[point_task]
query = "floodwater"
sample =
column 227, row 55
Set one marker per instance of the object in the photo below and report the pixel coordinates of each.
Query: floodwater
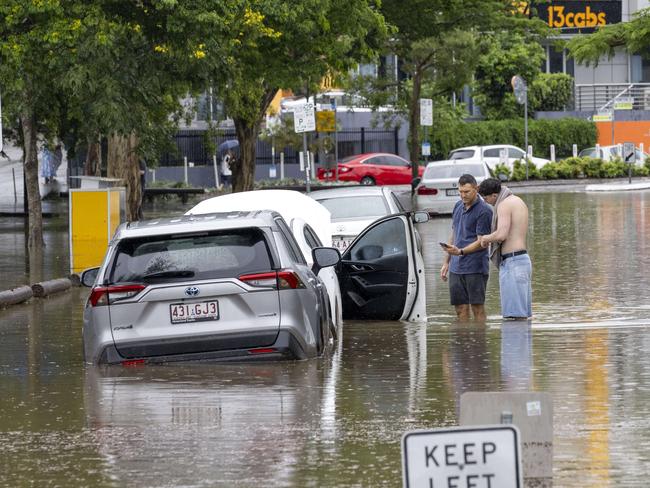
column 338, row 421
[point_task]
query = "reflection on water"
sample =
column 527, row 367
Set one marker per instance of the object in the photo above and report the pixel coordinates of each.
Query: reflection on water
column 338, row 421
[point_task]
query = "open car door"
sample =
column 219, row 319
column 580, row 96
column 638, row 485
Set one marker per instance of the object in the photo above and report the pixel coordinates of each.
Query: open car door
column 382, row 272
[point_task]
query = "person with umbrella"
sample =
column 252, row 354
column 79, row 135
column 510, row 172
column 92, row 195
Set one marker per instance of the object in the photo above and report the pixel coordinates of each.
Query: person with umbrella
column 228, row 152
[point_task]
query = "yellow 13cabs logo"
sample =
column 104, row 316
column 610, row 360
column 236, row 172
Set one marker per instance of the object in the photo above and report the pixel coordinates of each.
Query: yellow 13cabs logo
column 557, row 18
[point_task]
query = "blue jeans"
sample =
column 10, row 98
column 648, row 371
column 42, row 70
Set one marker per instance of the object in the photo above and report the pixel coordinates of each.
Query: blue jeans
column 515, row 285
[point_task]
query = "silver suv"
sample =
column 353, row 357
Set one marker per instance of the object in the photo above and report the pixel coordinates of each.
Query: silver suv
column 218, row 286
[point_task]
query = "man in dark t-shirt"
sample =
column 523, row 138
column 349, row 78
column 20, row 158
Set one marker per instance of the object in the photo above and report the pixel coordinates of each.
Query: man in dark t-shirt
column 466, row 263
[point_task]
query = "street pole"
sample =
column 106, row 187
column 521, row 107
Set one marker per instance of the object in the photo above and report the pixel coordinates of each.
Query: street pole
column 306, row 159
column 336, row 142
column 526, row 127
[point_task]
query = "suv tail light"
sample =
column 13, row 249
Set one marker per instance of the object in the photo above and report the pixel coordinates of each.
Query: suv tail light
column 107, row 295
column 423, row 190
column 281, row 280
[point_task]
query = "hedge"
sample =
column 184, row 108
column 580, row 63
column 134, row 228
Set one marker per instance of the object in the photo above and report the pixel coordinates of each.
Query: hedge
column 564, row 133
column 570, row 168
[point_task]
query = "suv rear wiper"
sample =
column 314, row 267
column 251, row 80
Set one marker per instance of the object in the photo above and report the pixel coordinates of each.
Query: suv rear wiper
column 178, row 273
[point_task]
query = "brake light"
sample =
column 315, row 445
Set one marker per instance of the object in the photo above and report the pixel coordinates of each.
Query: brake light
column 268, row 280
column 262, row 350
column 281, row 280
column 129, row 363
column 423, row 190
column 107, row 295
column 287, row 279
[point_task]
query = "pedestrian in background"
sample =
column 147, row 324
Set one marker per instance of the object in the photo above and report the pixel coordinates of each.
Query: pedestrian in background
column 507, row 248
column 48, row 170
column 226, row 170
column 466, row 263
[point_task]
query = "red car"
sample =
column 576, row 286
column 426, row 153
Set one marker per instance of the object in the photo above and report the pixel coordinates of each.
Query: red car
column 372, row 169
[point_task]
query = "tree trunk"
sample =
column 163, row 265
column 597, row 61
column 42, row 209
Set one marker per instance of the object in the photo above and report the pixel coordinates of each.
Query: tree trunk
column 414, row 122
column 93, row 163
column 122, row 162
column 30, row 162
column 243, row 169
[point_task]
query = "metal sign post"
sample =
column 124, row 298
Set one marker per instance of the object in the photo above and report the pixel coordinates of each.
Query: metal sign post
column 521, row 95
column 629, row 154
column 426, row 121
column 336, row 141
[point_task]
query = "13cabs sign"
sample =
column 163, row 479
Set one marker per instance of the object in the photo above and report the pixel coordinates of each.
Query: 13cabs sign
column 579, row 16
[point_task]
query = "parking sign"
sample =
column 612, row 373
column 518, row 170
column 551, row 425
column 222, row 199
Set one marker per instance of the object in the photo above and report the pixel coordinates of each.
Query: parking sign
column 481, row 457
column 304, row 119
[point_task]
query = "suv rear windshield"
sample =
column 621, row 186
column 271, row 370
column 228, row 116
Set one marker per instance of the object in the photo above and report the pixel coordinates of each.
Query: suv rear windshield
column 461, row 154
column 356, row 207
column 434, row 172
column 206, row 255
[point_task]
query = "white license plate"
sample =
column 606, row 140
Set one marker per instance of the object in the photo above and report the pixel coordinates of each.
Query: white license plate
column 181, row 313
column 452, row 192
column 341, row 244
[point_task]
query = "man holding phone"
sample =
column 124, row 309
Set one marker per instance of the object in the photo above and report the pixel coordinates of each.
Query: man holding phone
column 466, row 265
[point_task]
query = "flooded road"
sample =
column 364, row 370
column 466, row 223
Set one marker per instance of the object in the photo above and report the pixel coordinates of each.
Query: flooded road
column 338, row 421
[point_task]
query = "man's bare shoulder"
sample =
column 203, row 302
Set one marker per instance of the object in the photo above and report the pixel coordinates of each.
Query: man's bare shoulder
column 513, row 201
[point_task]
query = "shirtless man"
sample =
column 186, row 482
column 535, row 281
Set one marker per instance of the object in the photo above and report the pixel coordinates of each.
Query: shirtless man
column 508, row 248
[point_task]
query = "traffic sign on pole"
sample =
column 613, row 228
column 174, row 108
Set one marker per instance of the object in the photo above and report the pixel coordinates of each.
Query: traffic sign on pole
column 304, row 119
column 426, row 112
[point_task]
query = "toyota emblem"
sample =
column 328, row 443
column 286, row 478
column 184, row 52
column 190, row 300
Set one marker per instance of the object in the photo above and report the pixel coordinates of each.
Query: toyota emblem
column 192, row 291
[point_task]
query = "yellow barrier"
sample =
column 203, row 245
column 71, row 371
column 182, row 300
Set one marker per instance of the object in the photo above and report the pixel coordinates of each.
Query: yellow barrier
column 94, row 216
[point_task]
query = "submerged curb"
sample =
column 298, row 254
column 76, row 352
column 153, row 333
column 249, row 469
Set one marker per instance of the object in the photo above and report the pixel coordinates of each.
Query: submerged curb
column 39, row 290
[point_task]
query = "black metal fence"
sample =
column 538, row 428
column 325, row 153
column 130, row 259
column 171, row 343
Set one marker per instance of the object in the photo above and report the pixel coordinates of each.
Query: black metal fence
column 190, row 144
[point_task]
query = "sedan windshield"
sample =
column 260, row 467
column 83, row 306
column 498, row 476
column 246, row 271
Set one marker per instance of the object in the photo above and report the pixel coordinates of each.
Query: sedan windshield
column 435, row 172
column 359, row 207
column 211, row 255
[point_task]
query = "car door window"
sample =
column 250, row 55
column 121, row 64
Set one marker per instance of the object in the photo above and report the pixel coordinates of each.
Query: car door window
column 515, row 153
column 292, row 245
column 395, row 161
column 397, row 202
column 375, row 160
column 311, row 238
column 491, row 153
column 380, row 241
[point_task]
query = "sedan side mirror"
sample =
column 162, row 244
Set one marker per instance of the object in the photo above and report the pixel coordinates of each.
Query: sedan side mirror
column 324, row 257
column 89, row 276
column 415, row 182
column 420, row 217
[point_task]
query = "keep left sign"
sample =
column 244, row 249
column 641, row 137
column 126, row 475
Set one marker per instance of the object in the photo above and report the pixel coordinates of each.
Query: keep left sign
column 462, row 457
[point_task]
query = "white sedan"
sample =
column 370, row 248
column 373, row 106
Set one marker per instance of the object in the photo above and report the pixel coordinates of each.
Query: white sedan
column 437, row 192
column 353, row 208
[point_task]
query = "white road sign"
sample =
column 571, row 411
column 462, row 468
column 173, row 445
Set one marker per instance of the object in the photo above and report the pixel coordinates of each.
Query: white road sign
column 304, row 119
column 426, row 112
column 479, row 457
column 628, row 152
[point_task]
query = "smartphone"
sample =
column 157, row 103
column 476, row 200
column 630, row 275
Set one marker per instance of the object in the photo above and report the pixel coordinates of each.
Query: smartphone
column 444, row 244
